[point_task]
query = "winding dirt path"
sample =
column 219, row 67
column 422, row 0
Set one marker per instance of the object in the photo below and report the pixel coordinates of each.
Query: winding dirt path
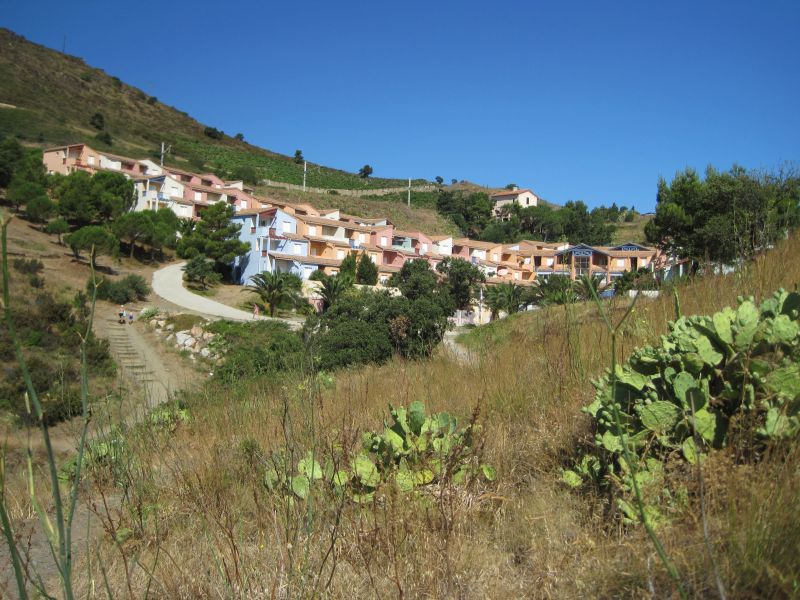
column 143, row 370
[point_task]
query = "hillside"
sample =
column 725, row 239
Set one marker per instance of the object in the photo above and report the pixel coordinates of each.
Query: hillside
column 48, row 98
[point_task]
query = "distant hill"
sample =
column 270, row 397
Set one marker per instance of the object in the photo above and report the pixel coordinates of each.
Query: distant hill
column 48, row 98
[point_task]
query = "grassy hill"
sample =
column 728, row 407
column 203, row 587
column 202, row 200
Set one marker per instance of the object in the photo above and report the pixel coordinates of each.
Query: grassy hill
column 47, row 98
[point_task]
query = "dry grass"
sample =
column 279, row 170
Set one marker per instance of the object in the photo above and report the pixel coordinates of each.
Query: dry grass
column 203, row 524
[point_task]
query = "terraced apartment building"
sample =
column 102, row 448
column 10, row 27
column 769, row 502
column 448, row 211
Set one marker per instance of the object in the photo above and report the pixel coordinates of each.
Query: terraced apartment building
column 297, row 238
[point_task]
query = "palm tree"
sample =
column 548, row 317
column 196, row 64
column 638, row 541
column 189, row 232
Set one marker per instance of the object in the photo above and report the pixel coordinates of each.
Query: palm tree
column 556, row 289
column 588, row 287
column 333, row 288
column 275, row 288
column 511, row 295
column 494, row 301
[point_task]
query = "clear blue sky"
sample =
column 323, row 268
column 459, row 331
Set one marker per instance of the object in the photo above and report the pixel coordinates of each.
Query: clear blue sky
column 577, row 100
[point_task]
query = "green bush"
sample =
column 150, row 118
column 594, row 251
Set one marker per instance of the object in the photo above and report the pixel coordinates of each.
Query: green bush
column 265, row 348
column 122, row 291
column 29, row 266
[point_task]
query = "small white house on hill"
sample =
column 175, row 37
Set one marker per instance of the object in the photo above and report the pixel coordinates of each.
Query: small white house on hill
column 524, row 198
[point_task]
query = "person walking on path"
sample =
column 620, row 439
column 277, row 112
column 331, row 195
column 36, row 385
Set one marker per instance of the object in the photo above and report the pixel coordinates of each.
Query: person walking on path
column 255, row 310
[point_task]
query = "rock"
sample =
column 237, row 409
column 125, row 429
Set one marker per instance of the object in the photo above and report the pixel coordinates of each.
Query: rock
column 193, row 357
column 207, row 335
column 153, row 323
column 205, row 352
column 171, row 327
column 183, row 337
column 196, row 331
column 170, row 337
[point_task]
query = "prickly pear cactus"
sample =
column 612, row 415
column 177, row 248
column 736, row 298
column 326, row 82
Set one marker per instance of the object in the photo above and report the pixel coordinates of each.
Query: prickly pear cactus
column 414, row 451
column 679, row 398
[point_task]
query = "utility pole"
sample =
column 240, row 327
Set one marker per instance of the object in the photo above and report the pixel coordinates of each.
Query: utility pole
column 164, row 150
column 305, row 168
column 409, row 191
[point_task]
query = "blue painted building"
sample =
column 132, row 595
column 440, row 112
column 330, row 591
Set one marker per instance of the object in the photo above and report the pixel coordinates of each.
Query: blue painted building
column 275, row 246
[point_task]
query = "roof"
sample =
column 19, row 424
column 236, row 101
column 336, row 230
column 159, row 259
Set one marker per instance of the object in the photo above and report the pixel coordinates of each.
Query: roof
column 205, row 188
column 511, row 193
column 388, row 269
column 328, row 222
column 65, row 147
column 327, row 240
column 306, row 260
column 439, row 238
column 474, row 243
column 414, row 235
column 254, row 211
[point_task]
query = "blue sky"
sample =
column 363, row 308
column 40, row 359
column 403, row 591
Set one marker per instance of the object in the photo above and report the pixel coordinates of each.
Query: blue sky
column 578, row 100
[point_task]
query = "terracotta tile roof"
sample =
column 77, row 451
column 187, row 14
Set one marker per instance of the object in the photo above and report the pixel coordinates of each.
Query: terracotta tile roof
column 388, row 269
column 474, row 244
column 439, row 238
column 306, row 260
column 333, row 242
column 511, row 193
column 205, row 188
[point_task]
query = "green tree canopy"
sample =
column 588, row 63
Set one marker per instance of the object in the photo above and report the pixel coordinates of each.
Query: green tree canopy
column 94, row 238
column 216, row 236
column 100, row 198
column 462, row 279
column 367, row 271
column 725, row 216
column 200, row 270
column 133, row 227
column 40, row 208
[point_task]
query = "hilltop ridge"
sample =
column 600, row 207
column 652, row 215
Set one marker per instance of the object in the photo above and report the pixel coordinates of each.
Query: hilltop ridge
column 49, row 98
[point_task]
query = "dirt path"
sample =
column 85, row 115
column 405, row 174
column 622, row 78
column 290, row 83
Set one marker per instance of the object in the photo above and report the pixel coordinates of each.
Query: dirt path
column 168, row 284
column 459, row 352
column 144, row 370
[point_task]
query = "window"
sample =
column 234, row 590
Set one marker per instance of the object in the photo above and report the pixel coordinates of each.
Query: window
column 198, row 196
column 91, row 160
column 516, row 275
column 312, row 230
column 494, row 257
column 582, row 264
column 244, row 203
column 373, row 258
column 286, row 227
column 424, row 247
column 383, row 240
column 340, row 254
column 621, row 263
column 297, row 249
column 362, row 238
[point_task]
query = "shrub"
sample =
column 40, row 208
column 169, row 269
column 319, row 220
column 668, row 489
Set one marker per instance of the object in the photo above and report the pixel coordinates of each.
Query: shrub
column 98, row 121
column 265, row 348
column 121, row 291
column 29, row 266
column 213, row 133
column 105, row 138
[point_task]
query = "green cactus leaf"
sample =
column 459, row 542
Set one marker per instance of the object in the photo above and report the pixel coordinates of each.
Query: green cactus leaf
column 722, row 325
column 395, row 441
column 340, row 478
column 571, row 478
column 399, row 415
column 660, row 416
column 689, row 449
column 785, row 381
column 611, row 442
column 631, row 378
column 271, row 478
column 710, row 426
column 405, row 481
column 784, row 330
column 746, row 325
column 423, row 476
column 489, row 472
column 682, row 383
column 366, row 471
column 707, row 352
column 364, row 498
column 301, row 486
column 776, row 424
column 416, row 416
column 310, row 467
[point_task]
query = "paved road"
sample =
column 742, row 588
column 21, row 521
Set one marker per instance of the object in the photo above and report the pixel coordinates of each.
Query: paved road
column 168, row 283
